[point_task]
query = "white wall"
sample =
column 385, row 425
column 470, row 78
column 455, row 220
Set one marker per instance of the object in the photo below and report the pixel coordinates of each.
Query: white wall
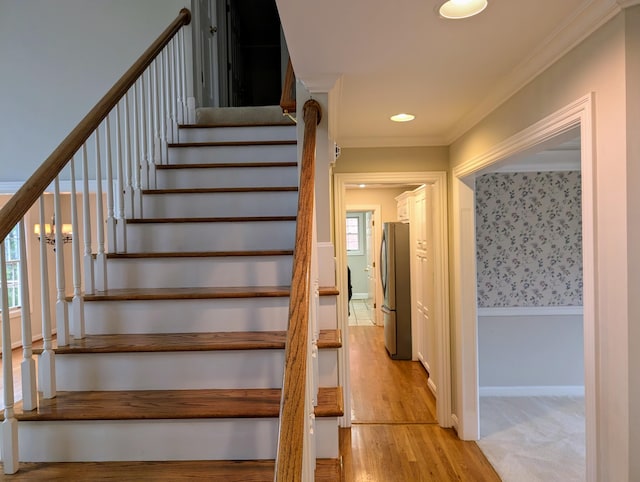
column 597, row 65
column 59, row 57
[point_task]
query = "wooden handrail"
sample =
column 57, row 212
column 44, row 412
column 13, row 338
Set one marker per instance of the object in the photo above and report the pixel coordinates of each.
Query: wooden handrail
column 289, row 458
column 26, row 196
column 288, row 97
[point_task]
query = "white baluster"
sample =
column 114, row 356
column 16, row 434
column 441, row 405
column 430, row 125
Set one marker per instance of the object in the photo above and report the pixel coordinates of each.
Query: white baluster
column 157, row 86
column 101, row 258
column 89, row 279
column 111, row 219
column 162, row 110
column 129, row 197
column 28, row 366
column 136, row 160
column 10, row 424
column 151, row 173
column 62, row 311
column 46, row 364
column 77, row 305
column 166, row 103
column 144, row 154
column 180, row 79
column 183, row 82
column 121, row 231
column 171, row 95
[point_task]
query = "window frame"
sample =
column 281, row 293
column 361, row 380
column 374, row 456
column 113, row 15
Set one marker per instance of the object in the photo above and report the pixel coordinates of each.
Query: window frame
column 12, row 260
column 361, row 232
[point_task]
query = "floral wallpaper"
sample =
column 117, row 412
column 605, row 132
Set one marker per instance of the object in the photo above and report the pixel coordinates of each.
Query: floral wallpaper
column 529, row 239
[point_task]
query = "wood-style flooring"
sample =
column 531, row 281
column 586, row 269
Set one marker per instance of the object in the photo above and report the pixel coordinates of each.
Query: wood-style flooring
column 394, row 436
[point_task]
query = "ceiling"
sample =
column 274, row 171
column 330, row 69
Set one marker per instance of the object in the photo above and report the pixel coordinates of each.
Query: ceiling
column 383, row 57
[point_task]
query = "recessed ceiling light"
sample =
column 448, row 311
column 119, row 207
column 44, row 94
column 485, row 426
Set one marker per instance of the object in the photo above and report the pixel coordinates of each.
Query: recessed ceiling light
column 456, row 9
column 402, row 117
column 363, row 185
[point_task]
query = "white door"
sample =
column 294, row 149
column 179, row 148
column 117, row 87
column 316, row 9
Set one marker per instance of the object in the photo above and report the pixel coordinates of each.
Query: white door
column 371, row 268
column 208, row 49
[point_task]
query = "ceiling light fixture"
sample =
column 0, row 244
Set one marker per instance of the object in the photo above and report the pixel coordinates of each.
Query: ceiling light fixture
column 456, row 9
column 362, row 186
column 402, row 117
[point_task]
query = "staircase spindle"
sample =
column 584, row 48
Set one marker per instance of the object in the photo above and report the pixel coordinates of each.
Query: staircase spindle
column 101, row 258
column 62, row 311
column 151, row 174
column 144, row 154
column 28, row 366
column 77, row 304
column 46, row 363
column 89, row 279
column 135, row 160
column 183, row 78
column 111, row 220
column 157, row 141
column 10, row 424
column 171, row 93
column 121, row 232
column 128, row 164
column 162, row 91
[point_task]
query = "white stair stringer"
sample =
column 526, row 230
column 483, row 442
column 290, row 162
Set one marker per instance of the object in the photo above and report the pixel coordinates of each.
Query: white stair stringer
column 181, row 370
column 151, row 440
column 219, row 204
column 213, row 271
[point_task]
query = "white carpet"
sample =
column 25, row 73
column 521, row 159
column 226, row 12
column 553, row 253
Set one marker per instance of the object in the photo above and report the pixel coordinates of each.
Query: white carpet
column 534, row 439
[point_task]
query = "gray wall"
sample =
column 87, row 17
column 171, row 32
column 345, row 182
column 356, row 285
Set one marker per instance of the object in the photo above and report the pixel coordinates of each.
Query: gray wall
column 58, row 58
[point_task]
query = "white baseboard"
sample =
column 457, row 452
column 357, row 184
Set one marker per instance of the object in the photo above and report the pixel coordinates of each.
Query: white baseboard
column 432, row 387
column 531, row 311
column 533, row 391
column 454, row 422
column 360, row 296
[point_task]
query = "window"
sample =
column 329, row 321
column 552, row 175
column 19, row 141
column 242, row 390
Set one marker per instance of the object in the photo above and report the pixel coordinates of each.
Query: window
column 355, row 233
column 12, row 256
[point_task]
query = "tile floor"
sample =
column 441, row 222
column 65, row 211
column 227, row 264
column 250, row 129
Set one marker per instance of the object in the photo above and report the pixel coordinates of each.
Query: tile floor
column 361, row 313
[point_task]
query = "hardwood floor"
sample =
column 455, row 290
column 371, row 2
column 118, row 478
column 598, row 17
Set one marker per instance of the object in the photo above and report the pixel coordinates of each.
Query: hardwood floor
column 394, row 436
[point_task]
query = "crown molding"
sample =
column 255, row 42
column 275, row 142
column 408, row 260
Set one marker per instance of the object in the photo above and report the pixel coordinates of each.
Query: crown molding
column 568, row 35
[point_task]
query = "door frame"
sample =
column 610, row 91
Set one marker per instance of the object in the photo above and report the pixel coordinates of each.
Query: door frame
column 577, row 114
column 377, row 237
column 437, row 179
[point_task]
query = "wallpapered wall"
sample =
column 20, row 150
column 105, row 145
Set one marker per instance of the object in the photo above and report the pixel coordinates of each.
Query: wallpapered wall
column 529, row 240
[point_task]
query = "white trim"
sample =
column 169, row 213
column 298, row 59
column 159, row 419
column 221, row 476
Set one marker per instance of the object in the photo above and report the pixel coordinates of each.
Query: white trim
column 441, row 270
column 10, row 187
column 432, row 387
column 577, row 114
column 531, row 311
column 360, row 296
column 534, row 391
column 455, row 423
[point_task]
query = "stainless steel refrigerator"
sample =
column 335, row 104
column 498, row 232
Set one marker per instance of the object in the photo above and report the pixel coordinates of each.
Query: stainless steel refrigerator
column 395, row 263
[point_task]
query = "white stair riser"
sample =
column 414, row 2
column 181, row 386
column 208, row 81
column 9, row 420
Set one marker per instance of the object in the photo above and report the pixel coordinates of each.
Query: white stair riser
column 199, row 272
column 241, row 204
column 181, row 370
column 226, row 134
column 227, row 177
column 152, row 440
column 186, row 316
column 220, row 236
column 232, row 154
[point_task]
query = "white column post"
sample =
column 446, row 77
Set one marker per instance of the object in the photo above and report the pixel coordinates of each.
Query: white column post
column 28, row 366
column 62, row 311
column 10, row 457
column 77, row 304
column 46, row 365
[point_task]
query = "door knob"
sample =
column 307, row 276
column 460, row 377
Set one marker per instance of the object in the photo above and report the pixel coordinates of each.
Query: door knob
column 212, row 29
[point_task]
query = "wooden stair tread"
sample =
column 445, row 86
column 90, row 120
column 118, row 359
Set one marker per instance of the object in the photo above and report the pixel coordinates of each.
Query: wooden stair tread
column 232, row 144
column 131, row 294
column 227, row 470
column 171, row 342
column 172, row 404
column 201, row 254
column 220, row 190
column 212, row 220
column 223, row 165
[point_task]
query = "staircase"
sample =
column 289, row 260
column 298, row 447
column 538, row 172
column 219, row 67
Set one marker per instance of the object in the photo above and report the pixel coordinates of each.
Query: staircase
column 182, row 362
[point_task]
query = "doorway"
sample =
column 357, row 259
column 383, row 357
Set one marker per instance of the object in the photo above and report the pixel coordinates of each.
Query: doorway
column 437, row 180
column 238, row 53
column 577, row 116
